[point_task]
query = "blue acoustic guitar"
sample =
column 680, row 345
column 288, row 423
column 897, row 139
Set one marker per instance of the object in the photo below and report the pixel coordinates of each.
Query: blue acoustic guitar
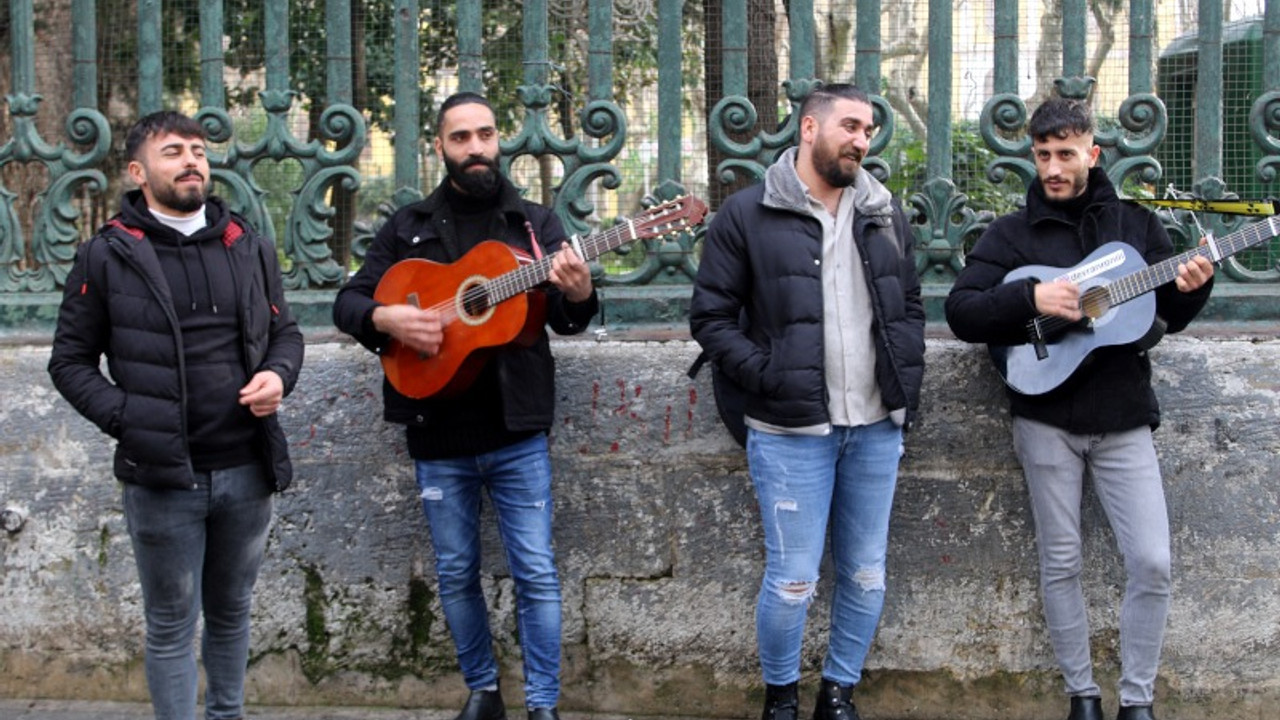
column 1115, row 283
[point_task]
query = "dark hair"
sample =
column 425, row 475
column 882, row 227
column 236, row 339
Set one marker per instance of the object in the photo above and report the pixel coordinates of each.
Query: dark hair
column 1060, row 117
column 160, row 123
column 821, row 98
column 456, row 99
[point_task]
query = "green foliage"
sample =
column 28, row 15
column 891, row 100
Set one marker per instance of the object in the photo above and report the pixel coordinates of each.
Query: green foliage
column 635, row 62
column 372, row 37
column 374, row 191
column 373, row 43
column 906, row 155
column 278, row 180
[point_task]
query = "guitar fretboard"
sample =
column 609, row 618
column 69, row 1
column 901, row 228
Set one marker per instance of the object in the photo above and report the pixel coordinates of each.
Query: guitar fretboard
column 1147, row 279
column 527, row 277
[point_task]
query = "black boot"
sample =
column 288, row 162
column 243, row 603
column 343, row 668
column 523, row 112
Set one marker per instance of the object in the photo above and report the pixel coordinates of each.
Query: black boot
column 543, row 714
column 483, row 705
column 780, row 702
column 1135, row 712
column 834, row 702
column 1085, row 708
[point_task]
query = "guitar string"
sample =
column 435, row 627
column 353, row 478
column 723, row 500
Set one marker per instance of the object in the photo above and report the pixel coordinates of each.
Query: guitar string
column 508, row 284
column 526, row 277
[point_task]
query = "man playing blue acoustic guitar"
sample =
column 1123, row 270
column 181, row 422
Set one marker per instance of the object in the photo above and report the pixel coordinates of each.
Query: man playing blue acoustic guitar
column 1101, row 417
column 489, row 433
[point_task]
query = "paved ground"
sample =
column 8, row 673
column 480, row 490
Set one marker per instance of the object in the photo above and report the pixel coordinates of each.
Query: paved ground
column 64, row 710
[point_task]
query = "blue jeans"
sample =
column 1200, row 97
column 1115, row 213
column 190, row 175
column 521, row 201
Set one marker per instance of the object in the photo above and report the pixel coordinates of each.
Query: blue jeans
column 199, row 549
column 804, row 484
column 518, row 480
column 1126, row 476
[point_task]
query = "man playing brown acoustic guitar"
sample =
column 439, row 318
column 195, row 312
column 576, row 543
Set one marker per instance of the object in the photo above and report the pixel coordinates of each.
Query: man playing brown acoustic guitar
column 492, row 433
column 1101, row 417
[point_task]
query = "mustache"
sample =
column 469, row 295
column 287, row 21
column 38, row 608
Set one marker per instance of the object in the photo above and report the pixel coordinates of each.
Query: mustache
column 482, row 161
column 190, row 173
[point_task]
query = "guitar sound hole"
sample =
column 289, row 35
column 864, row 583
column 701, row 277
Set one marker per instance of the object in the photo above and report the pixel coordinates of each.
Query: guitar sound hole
column 475, row 302
column 1095, row 303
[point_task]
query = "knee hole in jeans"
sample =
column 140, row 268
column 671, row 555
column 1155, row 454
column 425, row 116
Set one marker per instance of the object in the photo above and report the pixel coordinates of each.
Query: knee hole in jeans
column 870, row 578
column 794, row 592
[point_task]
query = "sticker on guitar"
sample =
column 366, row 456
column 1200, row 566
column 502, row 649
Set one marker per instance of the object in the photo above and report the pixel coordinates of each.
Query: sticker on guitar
column 1093, row 269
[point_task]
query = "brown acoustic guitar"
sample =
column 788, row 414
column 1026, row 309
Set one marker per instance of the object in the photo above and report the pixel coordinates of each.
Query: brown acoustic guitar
column 491, row 297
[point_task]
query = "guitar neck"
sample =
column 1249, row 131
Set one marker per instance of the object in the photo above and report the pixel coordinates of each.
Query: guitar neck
column 527, row 277
column 1143, row 281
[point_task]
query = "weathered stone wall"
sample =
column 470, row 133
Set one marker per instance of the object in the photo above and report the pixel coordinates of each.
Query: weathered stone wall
column 660, row 550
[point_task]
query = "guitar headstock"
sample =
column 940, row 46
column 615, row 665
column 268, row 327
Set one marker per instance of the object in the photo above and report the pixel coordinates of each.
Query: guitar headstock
column 672, row 216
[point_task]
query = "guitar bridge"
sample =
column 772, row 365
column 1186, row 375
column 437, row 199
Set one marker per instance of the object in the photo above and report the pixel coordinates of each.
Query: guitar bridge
column 1036, row 331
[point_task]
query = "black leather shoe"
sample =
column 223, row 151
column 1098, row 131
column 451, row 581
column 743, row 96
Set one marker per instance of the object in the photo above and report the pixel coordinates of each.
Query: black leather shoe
column 834, row 702
column 483, row 705
column 780, row 702
column 543, row 714
column 1135, row 712
column 1085, row 708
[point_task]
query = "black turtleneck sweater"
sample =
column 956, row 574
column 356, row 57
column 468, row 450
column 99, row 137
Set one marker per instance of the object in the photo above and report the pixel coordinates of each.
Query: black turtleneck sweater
column 220, row 431
column 470, row 423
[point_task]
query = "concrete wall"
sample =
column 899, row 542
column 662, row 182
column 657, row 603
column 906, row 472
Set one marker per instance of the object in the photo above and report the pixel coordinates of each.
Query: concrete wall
column 660, row 550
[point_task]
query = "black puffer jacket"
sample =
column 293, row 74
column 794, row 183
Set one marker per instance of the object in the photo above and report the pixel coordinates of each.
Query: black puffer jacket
column 421, row 230
column 117, row 303
column 763, row 254
column 1111, row 391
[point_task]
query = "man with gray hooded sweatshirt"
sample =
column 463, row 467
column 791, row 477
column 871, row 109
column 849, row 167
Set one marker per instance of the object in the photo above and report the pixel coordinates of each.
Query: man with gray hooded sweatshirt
column 807, row 300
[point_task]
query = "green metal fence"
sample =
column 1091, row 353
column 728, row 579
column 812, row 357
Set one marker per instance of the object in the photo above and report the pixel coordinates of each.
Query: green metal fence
column 320, row 115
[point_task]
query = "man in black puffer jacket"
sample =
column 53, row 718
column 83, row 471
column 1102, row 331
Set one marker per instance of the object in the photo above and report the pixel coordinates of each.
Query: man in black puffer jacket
column 807, row 298
column 186, row 303
column 1099, row 420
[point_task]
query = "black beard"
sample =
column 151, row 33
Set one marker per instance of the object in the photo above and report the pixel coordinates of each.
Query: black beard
column 178, row 198
column 470, row 182
column 831, row 171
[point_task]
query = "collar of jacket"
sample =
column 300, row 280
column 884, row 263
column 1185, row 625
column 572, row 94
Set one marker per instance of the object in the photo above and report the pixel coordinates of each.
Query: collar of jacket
column 509, row 204
column 135, row 214
column 783, row 189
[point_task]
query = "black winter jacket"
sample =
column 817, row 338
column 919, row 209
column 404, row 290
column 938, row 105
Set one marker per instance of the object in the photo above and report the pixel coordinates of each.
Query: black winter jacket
column 423, row 230
column 1111, row 391
column 118, row 303
column 762, row 257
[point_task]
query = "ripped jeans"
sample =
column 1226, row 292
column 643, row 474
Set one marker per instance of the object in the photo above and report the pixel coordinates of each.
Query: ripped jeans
column 518, row 480
column 804, row 483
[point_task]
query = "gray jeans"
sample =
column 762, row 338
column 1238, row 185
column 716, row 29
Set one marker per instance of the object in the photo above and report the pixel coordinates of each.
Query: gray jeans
column 199, row 549
column 1126, row 477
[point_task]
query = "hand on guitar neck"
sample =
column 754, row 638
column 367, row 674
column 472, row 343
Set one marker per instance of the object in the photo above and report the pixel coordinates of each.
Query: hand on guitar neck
column 1192, row 275
column 571, row 274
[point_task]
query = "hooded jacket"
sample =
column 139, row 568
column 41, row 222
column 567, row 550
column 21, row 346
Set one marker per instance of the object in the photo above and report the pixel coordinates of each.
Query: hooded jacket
column 526, row 374
column 757, row 306
column 118, row 302
column 1111, row 391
